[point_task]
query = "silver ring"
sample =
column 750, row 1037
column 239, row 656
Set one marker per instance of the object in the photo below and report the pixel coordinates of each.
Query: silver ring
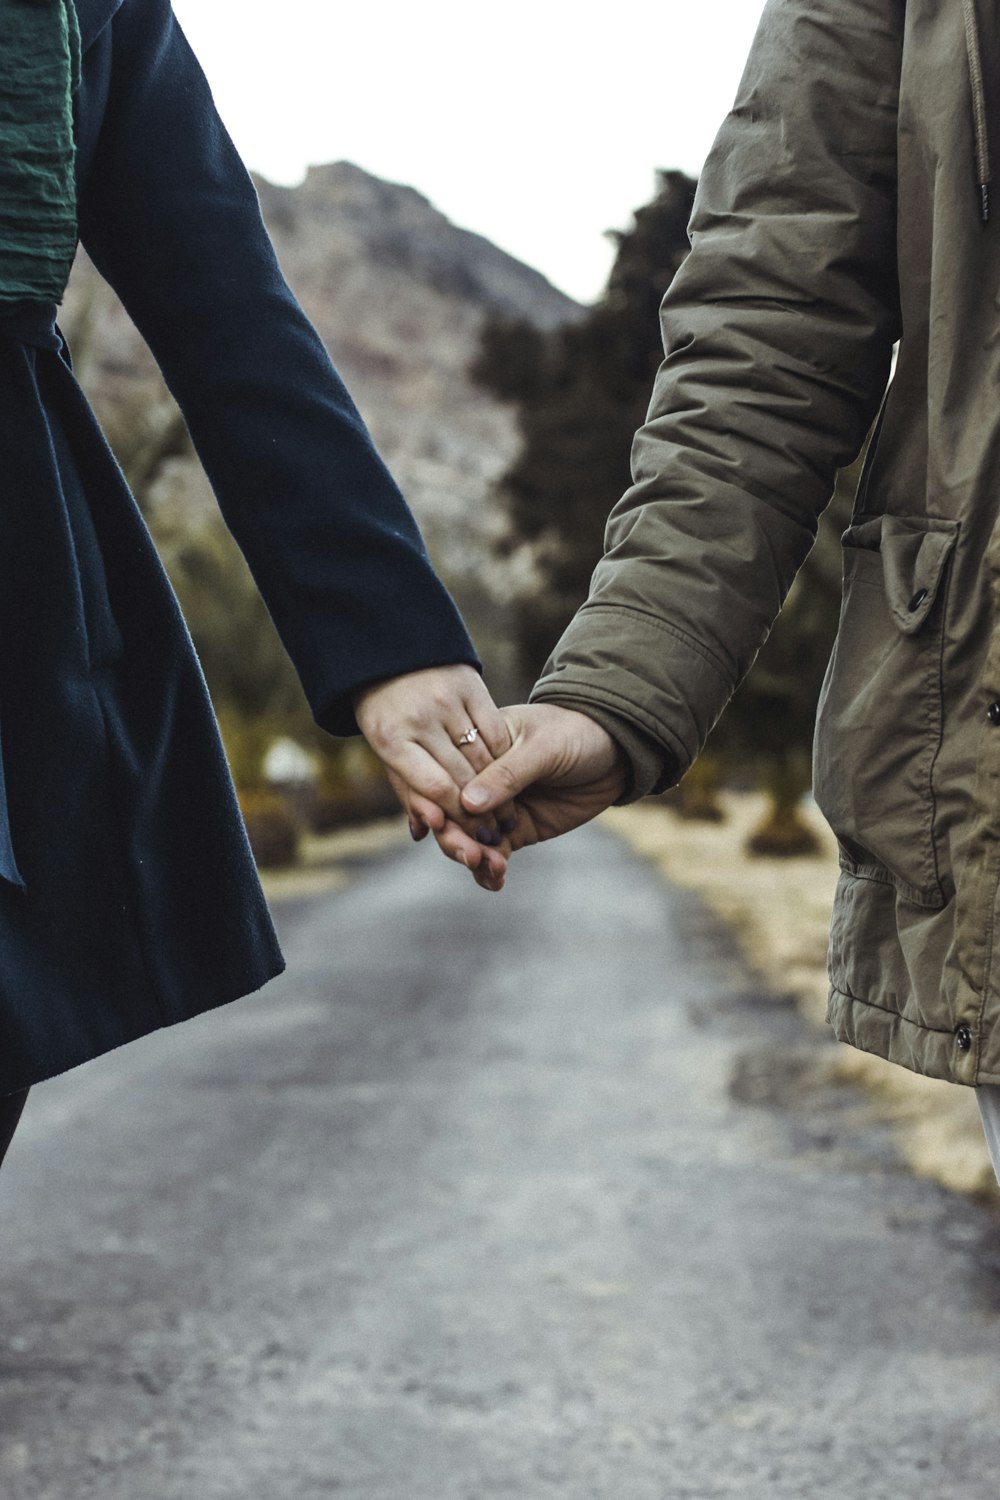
column 470, row 736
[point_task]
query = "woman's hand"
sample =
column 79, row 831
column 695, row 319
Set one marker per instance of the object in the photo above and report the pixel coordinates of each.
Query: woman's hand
column 420, row 726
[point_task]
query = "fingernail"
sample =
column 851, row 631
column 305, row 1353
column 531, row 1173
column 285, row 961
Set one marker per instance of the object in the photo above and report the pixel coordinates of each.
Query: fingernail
column 413, row 830
column 508, row 824
column 476, row 796
column 487, row 836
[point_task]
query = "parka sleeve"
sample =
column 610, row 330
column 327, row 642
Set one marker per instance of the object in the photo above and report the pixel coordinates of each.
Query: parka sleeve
column 778, row 332
column 171, row 219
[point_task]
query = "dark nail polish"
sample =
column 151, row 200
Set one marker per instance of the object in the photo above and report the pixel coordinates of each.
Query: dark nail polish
column 508, row 824
column 487, row 836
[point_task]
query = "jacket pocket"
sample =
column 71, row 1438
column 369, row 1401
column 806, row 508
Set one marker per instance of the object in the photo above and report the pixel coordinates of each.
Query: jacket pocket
column 879, row 724
column 8, row 864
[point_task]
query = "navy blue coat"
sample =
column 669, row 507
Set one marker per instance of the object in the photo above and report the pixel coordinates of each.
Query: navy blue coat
column 128, row 896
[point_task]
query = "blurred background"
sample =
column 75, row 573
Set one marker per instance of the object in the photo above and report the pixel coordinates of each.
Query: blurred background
column 483, row 249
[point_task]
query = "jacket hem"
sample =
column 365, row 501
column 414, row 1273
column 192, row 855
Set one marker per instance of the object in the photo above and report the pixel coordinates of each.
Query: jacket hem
column 870, row 1027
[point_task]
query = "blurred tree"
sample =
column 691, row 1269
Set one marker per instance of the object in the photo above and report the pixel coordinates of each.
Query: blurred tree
column 246, row 666
column 579, row 393
column 146, row 431
column 254, row 687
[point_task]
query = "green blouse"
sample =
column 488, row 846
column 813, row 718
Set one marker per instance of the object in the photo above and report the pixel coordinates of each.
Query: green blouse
column 40, row 48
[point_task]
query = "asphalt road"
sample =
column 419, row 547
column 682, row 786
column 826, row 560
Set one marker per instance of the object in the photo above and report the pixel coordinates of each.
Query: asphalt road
column 525, row 1196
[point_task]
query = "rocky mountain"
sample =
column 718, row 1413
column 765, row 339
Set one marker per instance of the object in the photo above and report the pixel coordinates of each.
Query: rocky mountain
column 398, row 294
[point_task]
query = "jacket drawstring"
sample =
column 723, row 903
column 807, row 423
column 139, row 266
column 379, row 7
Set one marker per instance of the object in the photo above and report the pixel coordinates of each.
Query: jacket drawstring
column 983, row 172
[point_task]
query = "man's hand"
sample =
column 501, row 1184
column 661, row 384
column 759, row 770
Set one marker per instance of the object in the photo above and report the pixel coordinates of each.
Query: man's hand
column 414, row 723
column 562, row 768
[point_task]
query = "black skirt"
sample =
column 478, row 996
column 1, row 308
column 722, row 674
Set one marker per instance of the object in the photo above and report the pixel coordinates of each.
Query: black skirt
column 129, row 899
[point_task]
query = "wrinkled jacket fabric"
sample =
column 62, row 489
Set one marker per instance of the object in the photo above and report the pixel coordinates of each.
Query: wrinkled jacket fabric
column 839, row 212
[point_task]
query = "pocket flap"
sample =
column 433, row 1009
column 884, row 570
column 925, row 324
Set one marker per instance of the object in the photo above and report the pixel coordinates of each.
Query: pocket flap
column 914, row 552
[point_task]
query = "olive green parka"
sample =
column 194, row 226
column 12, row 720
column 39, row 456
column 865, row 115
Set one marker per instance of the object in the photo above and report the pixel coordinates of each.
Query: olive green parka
column 844, row 207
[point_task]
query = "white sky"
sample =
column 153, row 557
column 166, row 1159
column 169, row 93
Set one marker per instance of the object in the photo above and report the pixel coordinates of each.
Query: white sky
column 538, row 123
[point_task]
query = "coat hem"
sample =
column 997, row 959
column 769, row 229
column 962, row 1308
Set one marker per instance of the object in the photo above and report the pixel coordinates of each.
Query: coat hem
column 870, row 1027
column 248, row 985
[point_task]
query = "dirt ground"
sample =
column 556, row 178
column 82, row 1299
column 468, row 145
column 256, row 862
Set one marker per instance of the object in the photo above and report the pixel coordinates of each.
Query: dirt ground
column 780, row 909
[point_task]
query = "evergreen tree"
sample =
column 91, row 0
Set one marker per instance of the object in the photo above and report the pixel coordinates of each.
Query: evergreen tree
column 580, row 392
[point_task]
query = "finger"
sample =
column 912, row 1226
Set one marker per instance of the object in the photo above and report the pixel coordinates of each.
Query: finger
column 474, row 750
column 454, row 842
column 508, row 776
column 417, row 773
column 411, row 711
column 489, row 877
column 431, row 766
column 462, row 762
column 495, row 826
column 499, row 821
column 422, row 822
column 487, row 719
column 472, row 841
column 491, row 739
column 420, row 812
column 487, row 881
column 480, row 828
column 426, row 817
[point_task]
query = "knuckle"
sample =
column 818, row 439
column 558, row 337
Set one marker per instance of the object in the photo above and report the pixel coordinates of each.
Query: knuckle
column 437, row 787
column 505, row 777
column 383, row 735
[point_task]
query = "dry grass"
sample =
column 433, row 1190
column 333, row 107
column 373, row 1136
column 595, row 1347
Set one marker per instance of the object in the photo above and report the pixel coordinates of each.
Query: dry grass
column 780, row 909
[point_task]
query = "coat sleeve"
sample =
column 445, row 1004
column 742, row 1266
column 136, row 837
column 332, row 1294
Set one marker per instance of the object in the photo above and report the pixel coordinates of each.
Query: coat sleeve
column 171, row 219
column 778, row 332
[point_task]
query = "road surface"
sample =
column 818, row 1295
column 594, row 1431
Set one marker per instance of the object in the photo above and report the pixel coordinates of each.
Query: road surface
column 528, row 1196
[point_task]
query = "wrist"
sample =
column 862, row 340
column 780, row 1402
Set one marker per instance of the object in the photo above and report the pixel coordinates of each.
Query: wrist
column 645, row 765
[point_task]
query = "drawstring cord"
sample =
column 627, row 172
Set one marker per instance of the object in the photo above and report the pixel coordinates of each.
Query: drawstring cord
column 983, row 172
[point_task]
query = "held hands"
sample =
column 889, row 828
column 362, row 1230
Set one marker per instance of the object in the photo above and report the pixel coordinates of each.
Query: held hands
column 560, row 766
column 420, row 726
